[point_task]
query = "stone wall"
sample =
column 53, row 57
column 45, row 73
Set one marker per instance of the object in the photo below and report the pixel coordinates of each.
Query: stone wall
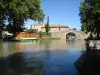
column 61, row 35
column 55, row 29
column 79, row 35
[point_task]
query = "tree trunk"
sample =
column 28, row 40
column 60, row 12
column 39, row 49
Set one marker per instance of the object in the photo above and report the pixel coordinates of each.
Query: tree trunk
column 0, row 33
column 97, row 35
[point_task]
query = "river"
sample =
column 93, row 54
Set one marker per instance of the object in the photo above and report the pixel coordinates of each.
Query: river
column 44, row 57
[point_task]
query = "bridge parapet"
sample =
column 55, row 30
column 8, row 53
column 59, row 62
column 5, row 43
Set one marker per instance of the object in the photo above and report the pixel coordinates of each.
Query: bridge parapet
column 79, row 34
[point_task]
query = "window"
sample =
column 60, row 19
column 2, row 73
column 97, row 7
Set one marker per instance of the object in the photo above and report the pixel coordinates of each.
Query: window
column 34, row 26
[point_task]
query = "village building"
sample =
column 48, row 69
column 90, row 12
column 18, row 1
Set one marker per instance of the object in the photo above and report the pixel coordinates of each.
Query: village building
column 38, row 27
column 53, row 28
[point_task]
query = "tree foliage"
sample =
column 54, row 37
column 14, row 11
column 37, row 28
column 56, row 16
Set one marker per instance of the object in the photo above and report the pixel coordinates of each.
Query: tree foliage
column 31, row 31
column 47, row 26
column 15, row 12
column 74, row 29
column 90, row 16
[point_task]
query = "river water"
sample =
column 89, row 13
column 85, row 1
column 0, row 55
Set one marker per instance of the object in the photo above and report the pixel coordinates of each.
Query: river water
column 44, row 57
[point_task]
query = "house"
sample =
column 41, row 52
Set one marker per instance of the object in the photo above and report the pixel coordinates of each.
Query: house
column 37, row 26
column 53, row 28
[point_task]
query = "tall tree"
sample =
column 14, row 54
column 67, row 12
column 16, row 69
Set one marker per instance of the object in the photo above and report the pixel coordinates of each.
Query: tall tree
column 90, row 16
column 15, row 12
column 47, row 26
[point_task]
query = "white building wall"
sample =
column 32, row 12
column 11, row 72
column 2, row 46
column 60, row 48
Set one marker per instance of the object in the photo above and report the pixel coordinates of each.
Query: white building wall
column 38, row 27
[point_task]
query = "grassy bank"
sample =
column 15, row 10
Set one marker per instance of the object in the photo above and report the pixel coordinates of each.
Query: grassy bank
column 48, row 38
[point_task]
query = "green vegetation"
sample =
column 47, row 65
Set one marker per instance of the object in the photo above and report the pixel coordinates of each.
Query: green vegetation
column 47, row 26
column 15, row 12
column 44, row 36
column 31, row 31
column 48, row 38
column 28, row 40
column 74, row 29
column 40, row 34
column 90, row 16
column 4, row 34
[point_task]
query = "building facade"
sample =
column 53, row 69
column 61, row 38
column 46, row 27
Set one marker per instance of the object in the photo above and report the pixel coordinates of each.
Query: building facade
column 37, row 26
column 53, row 28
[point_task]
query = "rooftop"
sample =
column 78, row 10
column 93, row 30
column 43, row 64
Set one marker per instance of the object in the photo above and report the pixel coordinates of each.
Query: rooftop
column 37, row 24
column 58, row 26
column 52, row 26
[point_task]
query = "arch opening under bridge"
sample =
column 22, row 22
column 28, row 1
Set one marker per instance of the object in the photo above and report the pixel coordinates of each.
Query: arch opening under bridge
column 70, row 36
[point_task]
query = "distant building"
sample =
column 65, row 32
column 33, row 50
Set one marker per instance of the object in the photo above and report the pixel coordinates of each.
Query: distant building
column 37, row 26
column 53, row 28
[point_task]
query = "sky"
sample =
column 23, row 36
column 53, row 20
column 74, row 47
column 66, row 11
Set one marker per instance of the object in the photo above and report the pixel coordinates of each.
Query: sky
column 61, row 12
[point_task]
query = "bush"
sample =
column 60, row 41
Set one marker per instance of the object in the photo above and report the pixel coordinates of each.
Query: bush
column 43, row 34
column 31, row 31
column 40, row 34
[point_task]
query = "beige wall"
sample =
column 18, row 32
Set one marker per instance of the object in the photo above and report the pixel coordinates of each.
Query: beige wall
column 63, row 29
column 79, row 35
column 43, row 29
column 55, row 29
column 38, row 27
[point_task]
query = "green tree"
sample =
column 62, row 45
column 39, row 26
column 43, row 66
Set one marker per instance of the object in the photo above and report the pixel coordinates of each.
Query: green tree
column 16, row 12
column 31, row 31
column 74, row 29
column 90, row 16
column 40, row 33
column 47, row 26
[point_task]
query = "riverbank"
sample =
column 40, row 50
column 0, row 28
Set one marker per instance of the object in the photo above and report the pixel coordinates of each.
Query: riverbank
column 28, row 40
column 94, row 43
column 48, row 38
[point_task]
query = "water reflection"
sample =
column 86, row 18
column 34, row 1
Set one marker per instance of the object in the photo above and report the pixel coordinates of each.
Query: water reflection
column 20, row 64
column 89, row 63
column 45, row 57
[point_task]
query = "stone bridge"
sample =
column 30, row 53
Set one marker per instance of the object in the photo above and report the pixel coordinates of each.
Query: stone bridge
column 62, row 34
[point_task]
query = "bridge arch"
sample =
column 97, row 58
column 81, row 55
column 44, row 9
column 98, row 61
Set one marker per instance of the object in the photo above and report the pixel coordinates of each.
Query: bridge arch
column 62, row 35
column 71, row 36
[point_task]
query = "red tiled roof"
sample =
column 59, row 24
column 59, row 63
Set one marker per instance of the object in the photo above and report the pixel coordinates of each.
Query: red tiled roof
column 52, row 26
column 37, row 24
column 58, row 26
